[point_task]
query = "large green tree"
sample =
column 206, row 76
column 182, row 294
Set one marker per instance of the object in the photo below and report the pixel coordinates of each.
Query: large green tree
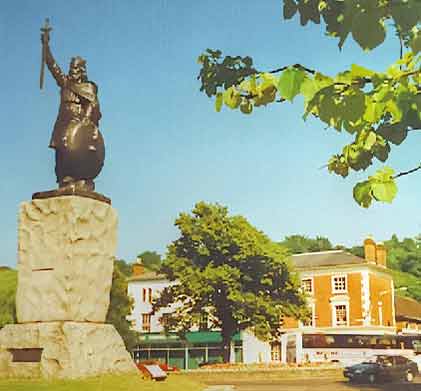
column 121, row 304
column 378, row 108
column 298, row 244
column 151, row 260
column 227, row 269
column 8, row 282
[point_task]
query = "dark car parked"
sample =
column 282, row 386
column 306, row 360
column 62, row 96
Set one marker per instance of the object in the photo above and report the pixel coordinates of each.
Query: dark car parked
column 383, row 368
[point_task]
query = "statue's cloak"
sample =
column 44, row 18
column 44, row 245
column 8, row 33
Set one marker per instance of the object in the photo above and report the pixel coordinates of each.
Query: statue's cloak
column 87, row 91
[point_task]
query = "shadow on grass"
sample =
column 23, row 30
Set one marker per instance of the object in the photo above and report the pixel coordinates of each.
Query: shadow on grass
column 386, row 386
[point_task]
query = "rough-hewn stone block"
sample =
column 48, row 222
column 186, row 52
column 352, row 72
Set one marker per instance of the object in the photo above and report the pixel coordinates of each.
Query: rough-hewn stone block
column 69, row 350
column 66, row 247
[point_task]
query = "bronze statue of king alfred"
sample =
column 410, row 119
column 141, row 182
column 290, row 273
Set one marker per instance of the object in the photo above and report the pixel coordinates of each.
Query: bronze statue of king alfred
column 76, row 138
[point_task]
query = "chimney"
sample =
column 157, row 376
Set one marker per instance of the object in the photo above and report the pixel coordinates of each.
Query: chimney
column 370, row 250
column 138, row 268
column 381, row 254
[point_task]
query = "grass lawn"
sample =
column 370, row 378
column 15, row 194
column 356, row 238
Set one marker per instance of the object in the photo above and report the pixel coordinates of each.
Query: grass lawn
column 174, row 382
column 250, row 376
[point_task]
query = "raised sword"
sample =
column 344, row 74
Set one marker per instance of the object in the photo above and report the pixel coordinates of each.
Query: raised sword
column 45, row 36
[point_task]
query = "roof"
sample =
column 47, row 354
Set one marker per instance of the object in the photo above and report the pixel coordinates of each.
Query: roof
column 301, row 262
column 407, row 308
column 147, row 276
column 326, row 258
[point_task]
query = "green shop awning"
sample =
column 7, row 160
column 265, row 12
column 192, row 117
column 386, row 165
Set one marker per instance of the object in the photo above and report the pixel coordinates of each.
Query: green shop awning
column 196, row 337
column 192, row 337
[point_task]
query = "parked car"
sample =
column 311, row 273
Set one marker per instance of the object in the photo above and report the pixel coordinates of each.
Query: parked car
column 417, row 359
column 382, row 368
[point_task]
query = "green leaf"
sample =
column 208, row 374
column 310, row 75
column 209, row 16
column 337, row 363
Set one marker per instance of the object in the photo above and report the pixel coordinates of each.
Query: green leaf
column 383, row 186
column 232, row 98
column 415, row 43
column 370, row 141
column 308, row 89
column 394, row 133
column 394, row 110
column 368, row 31
column 405, row 17
column 354, row 106
column 359, row 71
column 246, row 107
column 290, row 8
column 309, row 10
column 385, row 192
column 290, row 81
column 374, row 111
column 219, row 101
column 384, row 174
column 362, row 194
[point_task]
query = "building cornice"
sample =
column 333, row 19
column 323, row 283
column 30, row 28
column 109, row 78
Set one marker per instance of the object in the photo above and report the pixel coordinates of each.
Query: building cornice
column 367, row 330
column 338, row 269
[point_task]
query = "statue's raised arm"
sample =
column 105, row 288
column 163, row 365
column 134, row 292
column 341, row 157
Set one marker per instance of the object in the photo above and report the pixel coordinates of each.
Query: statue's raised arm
column 47, row 58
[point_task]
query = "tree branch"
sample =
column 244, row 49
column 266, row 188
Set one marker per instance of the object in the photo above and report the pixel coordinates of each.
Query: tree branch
column 312, row 71
column 407, row 172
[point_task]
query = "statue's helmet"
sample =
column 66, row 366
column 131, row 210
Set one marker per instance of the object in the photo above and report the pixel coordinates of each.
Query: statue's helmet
column 78, row 68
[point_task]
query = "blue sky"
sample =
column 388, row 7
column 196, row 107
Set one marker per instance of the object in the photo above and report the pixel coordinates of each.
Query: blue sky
column 167, row 148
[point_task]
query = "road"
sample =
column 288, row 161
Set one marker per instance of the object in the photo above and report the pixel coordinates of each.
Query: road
column 314, row 384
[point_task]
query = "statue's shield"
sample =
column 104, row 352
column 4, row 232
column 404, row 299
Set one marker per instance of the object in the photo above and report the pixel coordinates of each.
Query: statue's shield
column 84, row 150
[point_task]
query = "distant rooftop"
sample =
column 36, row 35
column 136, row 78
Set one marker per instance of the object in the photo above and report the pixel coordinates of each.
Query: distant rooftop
column 326, row 258
column 407, row 308
column 147, row 275
column 301, row 261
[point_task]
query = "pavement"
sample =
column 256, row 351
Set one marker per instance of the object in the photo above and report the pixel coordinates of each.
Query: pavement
column 313, row 384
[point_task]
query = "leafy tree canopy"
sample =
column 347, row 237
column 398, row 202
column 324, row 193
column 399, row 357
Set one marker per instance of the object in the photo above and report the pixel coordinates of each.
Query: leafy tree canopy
column 378, row 109
column 229, row 270
column 121, row 305
column 8, row 283
column 298, row 244
column 151, row 260
column 123, row 267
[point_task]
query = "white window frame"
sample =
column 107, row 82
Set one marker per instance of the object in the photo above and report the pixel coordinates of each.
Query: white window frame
column 312, row 285
column 333, row 283
column 312, row 306
column 146, row 329
column 380, row 311
column 334, row 305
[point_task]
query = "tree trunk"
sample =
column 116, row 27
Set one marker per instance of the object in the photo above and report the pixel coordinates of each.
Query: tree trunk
column 226, row 348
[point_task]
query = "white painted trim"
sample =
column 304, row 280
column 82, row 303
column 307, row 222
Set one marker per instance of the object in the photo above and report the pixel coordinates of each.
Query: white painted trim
column 380, row 309
column 358, row 268
column 371, row 330
column 365, row 302
column 392, row 288
column 312, row 305
column 320, row 252
column 334, row 304
column 339, row 299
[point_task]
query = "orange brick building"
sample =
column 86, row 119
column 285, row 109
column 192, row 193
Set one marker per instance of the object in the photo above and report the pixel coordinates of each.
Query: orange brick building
column 352, row 305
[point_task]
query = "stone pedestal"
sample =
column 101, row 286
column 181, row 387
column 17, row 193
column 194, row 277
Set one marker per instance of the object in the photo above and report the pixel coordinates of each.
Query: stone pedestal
column 66, row 350
column 66, row 248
